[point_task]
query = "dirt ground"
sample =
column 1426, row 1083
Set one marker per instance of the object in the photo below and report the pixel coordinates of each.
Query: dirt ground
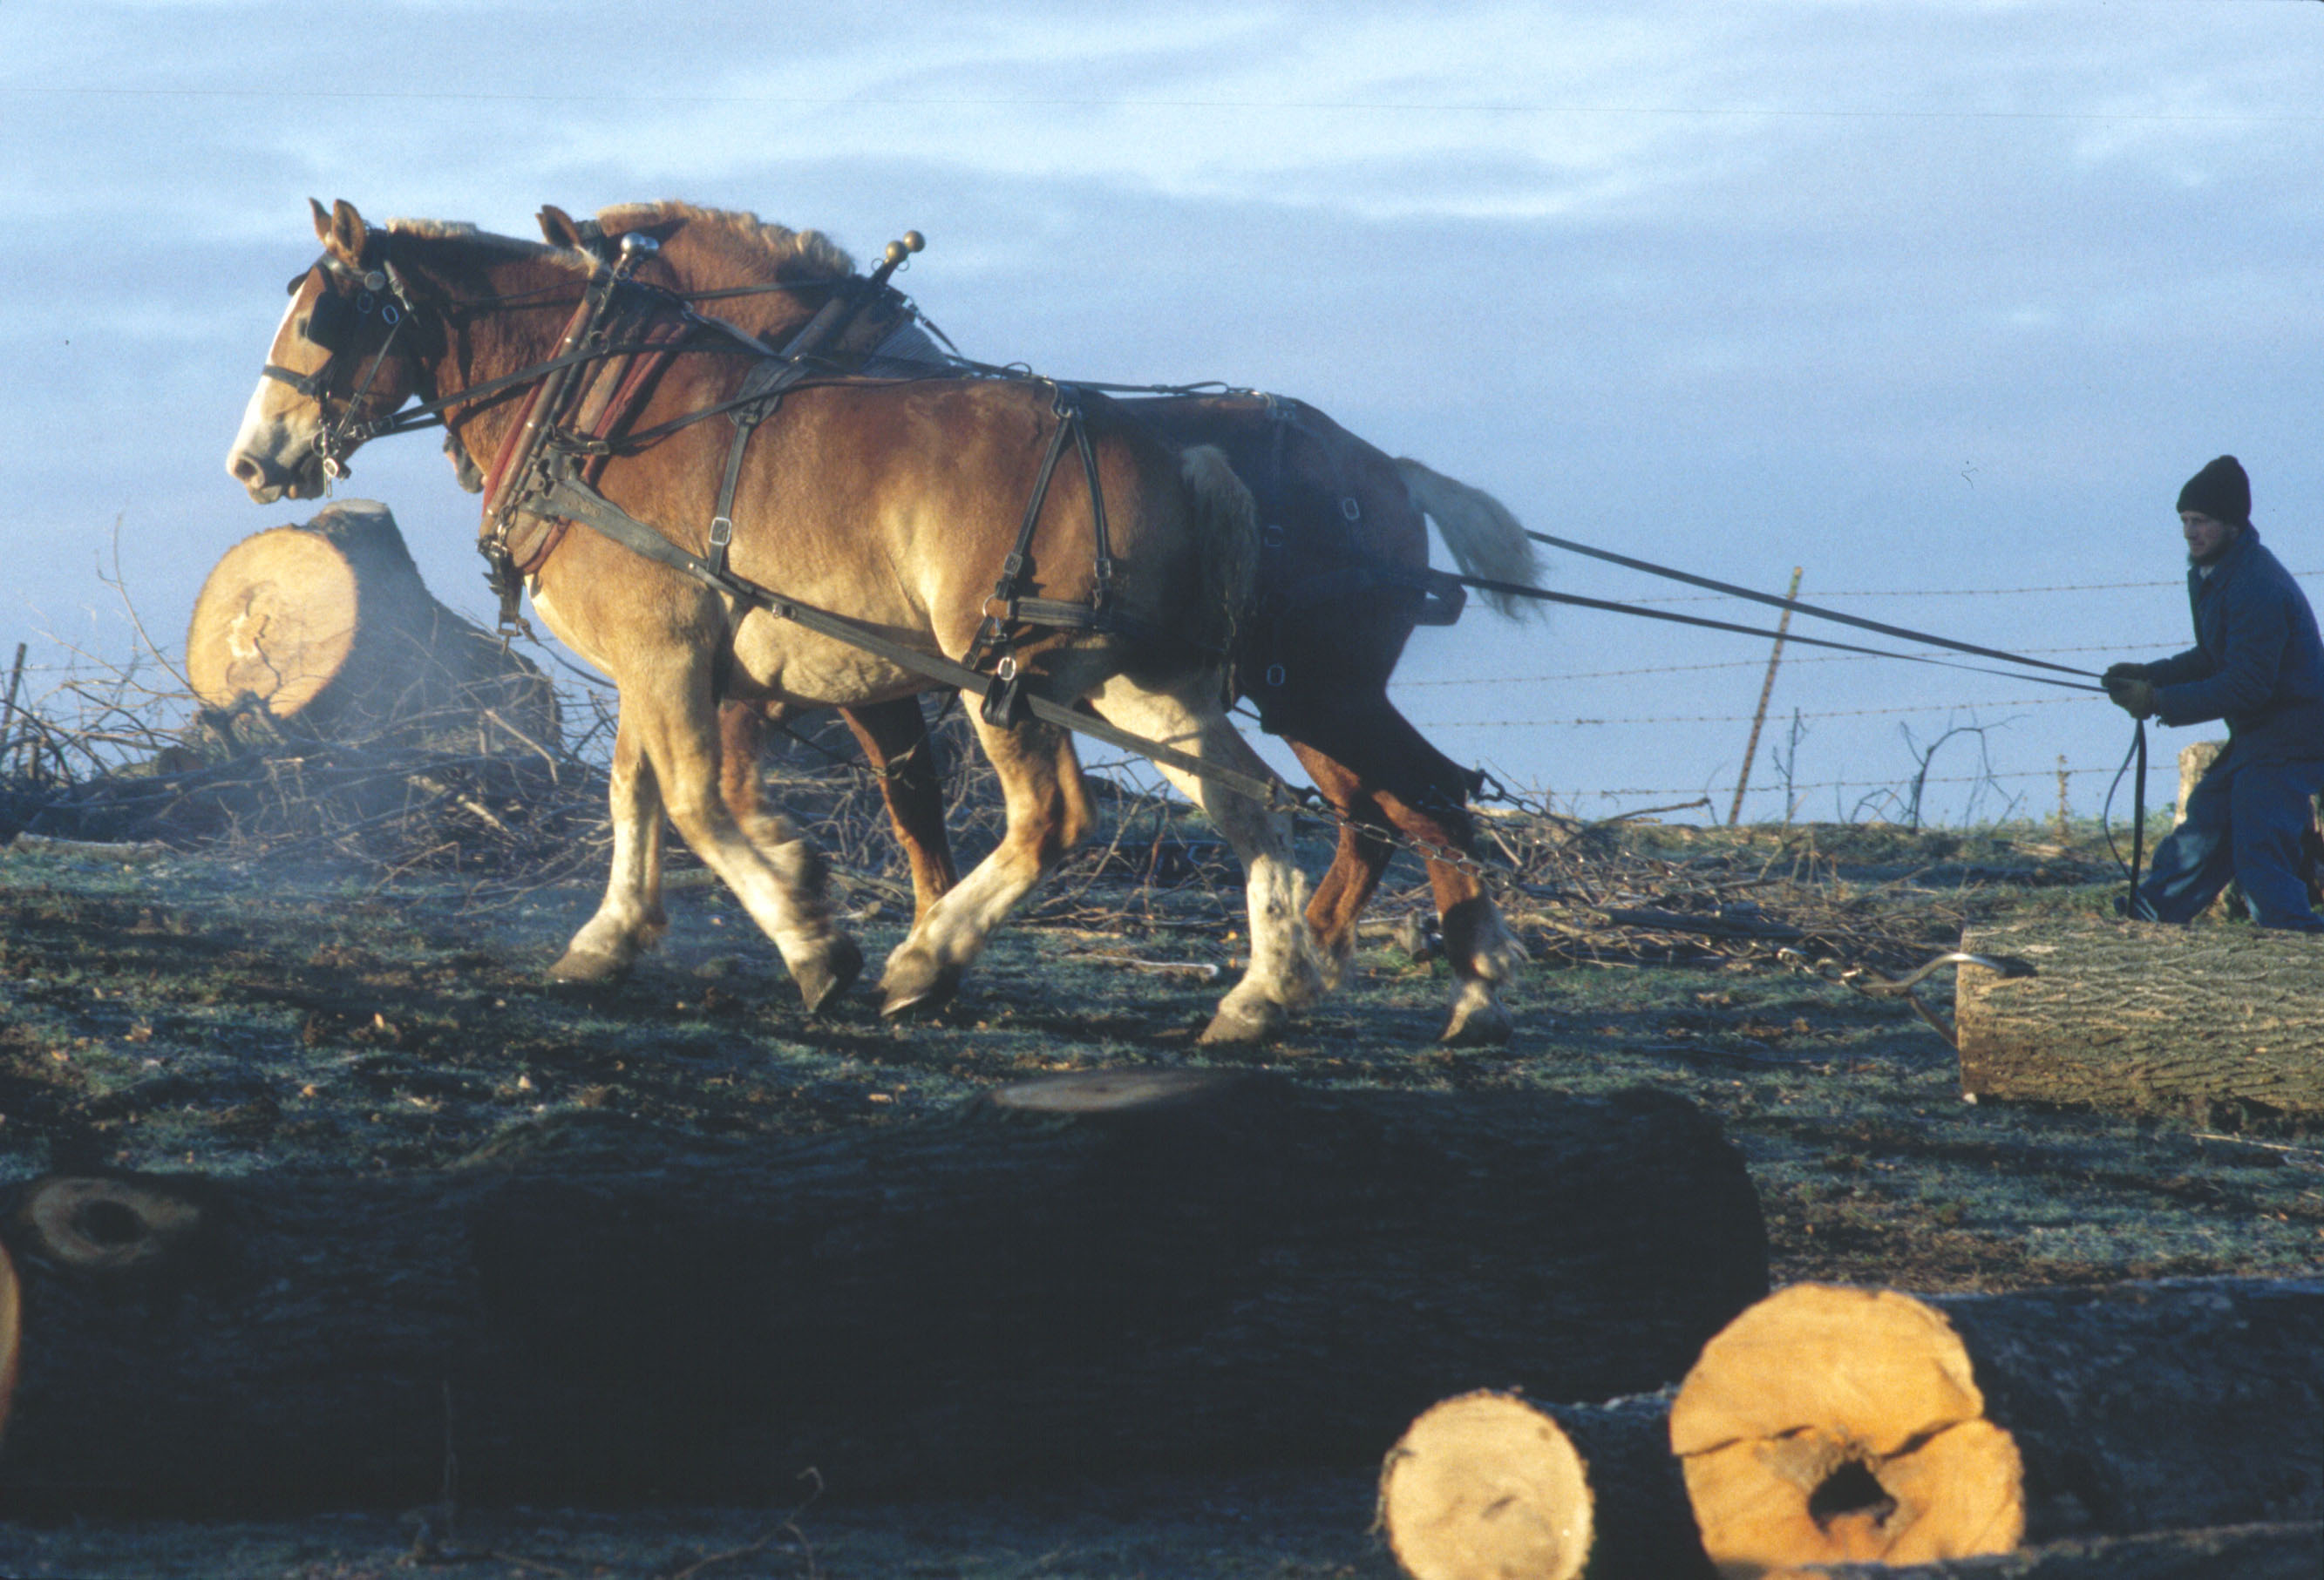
column 174, row 1012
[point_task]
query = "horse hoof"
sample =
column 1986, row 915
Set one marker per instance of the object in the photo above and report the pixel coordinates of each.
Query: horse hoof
column 588, row 968
column 828, row 975
column 916, row 986
column 1241, row 1025
column 1482, row 1025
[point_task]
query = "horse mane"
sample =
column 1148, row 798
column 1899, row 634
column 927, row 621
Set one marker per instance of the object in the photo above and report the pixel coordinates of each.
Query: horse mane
column 460, row 230
column 738, row 240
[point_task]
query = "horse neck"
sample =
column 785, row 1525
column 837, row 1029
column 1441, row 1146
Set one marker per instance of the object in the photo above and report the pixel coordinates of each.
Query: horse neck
column 485, row 337
column 696, row 263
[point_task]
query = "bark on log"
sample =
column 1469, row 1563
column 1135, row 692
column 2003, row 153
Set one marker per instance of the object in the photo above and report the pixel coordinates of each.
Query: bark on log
column 2213, row 1024
column 2236, row 1552
column 329, row 623
column 1069, row 1277
column 1491, row 1486
column 1827, row 1424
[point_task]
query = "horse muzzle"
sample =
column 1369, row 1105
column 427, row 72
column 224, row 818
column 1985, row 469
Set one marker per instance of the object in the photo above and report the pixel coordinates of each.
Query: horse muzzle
column 268, row 479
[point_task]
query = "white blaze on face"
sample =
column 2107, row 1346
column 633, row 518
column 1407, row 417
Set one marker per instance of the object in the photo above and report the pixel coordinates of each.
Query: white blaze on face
column 273, row 449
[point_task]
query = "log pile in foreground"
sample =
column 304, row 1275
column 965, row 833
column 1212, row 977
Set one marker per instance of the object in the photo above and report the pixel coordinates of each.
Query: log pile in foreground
column 2212, row 1023
column 1829, row 1424
column 329, row 623
column 2291, row 1551
column 1069, row 1277
column 1489, row 1485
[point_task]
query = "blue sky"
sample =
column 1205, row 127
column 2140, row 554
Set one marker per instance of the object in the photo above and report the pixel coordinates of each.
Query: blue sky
column 1929, row 299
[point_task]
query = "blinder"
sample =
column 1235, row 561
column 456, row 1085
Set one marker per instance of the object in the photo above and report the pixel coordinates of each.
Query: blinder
column 330, row 326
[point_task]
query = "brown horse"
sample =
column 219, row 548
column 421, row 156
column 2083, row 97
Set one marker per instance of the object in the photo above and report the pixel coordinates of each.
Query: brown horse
column 890, row 503
column 1344, row 549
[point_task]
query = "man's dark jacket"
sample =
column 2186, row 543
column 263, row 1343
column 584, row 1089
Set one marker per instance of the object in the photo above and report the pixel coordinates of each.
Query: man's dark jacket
column 2256, row 663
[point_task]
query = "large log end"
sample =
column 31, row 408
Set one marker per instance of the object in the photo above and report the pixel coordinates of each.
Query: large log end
column 1829, row 1424
column 276, row 621
column 1483, row 1486
column 328, row 621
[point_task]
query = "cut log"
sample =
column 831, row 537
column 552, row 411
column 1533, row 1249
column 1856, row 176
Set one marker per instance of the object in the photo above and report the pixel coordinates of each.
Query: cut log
column 1491, row 1486
column 2212, row 1024
column 2236, row 1552
column 1065, row 1278
column 1827, row 1424
column 329, row 624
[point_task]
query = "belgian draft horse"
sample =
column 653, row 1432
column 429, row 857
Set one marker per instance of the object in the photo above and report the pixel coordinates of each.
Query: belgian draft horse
column 890, row 503
column 1344, row 533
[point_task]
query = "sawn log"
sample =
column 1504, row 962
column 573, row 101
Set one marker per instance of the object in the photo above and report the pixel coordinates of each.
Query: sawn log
column 1489, row 1485
column 1064, row 1278
column 1830, row 1424
column 2212, row 1023
column 328, row 623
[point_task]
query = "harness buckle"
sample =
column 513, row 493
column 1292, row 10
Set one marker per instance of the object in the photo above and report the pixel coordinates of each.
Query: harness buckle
column 722, row 533
column 1004, row 697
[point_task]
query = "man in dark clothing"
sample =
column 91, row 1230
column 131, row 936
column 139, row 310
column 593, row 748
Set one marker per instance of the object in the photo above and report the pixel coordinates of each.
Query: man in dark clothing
column 2257, row 664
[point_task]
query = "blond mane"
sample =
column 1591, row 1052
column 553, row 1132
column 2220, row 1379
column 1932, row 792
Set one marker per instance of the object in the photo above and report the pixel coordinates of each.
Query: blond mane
column 743, row 239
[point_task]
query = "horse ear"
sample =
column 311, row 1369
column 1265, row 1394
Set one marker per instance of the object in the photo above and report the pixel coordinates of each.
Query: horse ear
column 557, row 226
column 322, row 220
column 346, row 234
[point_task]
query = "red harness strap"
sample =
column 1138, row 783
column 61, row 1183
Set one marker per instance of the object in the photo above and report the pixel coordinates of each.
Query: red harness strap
column 597, row 407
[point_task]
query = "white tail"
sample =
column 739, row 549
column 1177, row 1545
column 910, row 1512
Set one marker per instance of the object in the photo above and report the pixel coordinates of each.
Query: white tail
column 1484, row 537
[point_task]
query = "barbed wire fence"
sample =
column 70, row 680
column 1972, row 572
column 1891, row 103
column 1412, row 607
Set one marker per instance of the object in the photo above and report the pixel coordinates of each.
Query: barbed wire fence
column 70, row 715
column 1901, row 795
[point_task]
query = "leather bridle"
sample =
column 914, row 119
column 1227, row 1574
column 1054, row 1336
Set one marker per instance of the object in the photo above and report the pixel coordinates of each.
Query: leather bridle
column 346, row 303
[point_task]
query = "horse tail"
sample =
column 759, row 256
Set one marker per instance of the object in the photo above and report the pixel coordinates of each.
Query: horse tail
column 1484, row 537
column 1226, row 544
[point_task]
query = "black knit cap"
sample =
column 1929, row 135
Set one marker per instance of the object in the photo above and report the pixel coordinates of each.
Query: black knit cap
column 2221, row 492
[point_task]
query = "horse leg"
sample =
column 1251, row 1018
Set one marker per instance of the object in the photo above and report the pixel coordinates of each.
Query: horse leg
column 900, row 751
column 1422, row 794
column 1048, row 811
column 781, row 884
column 1363, row 854
column 896, row 742
column 1283, row 974
column 630, row 920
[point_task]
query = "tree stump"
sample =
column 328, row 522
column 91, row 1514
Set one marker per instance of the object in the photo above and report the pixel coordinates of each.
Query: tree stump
column 1827, row 1424
column 328, row 624
column 1490, row 1485
column 1136, row 1271
column 2238, row 1552
column 2215, row 1024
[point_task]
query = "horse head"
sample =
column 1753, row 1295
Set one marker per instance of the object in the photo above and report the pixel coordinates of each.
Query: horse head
column 341, row 360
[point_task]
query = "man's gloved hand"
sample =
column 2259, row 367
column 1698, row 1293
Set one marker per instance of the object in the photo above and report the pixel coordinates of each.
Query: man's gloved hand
column 2133, row 696
column 2123, row 672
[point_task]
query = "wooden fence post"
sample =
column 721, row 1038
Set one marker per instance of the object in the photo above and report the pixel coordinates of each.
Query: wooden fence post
column 1767, row 689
